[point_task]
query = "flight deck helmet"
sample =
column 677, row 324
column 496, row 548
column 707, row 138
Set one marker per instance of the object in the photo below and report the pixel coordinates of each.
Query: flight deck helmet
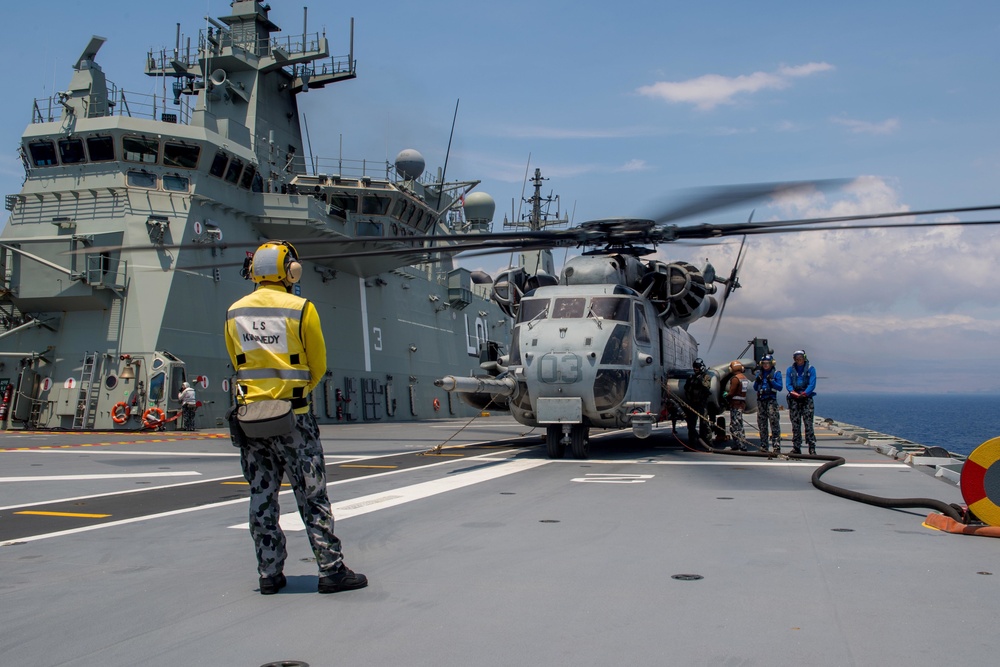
column 276, row 262
column 698, row 364
column 735, row 367
column 768, row 358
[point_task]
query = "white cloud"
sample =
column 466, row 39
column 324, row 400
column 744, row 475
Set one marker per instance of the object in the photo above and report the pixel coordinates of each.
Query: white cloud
column 710, row 90
column 887, row 126
column 633, row 165
column 870, row 305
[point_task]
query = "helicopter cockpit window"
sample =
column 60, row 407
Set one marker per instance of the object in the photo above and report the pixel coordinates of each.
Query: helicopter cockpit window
column 610, row 308
column 641, row 325
column 618, row 350
column 532, row 309
column 569, row 307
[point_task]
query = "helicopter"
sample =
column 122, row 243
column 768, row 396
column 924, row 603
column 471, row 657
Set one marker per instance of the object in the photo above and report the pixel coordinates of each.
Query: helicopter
column 605, row 344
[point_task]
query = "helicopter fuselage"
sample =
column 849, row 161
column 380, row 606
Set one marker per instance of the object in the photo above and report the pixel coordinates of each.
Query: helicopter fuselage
column 592, row 355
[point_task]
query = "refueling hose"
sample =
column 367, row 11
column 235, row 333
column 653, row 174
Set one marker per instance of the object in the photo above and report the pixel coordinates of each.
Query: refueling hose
column 952, row 511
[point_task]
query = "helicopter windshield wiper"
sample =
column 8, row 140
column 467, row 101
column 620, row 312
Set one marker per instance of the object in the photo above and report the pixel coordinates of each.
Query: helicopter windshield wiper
column 543, row 311
column 595, row 317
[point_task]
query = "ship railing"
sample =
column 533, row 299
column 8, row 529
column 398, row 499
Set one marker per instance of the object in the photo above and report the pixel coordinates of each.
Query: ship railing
column 117, row 103
column 214, row 42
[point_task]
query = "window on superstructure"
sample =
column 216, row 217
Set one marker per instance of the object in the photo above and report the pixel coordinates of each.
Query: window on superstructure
column 43, row 153
column 71, row 151
column 248, row 175
column 374, row 205
column 140, row 149
column 398, row 208
column 341, row 205
column 219, row 163
column 179, row 155
column 233, row 173
column 101, row 149
column 176, row 183
column 141, row 179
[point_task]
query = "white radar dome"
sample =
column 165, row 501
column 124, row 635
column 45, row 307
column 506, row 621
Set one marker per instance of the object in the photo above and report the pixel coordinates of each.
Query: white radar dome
column 410, row 164
column 479, row 207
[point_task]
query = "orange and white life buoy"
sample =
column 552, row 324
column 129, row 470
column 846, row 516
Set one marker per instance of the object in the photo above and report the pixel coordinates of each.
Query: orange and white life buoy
column 120, row 413
column 153, row 417
column 437, row 404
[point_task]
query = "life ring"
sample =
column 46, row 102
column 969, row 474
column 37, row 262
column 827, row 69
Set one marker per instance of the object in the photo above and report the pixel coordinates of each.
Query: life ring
column 120, row 413
column 437, row 404
column 153, row 417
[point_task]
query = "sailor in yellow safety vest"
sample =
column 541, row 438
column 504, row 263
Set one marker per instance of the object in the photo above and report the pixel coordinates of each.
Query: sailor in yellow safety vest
column 275, row 342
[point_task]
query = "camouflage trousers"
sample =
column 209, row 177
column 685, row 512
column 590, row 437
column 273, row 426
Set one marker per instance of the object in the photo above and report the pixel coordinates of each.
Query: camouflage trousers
column 736, row 426
column 187, row 417
column 300, row 456
column 801, row 413
column 768, row 423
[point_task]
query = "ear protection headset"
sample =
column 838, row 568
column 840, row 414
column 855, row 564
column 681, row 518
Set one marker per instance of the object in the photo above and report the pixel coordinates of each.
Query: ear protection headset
column 276, row 262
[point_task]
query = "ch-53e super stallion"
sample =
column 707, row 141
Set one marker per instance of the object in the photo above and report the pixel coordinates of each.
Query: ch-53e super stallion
column 606, row 343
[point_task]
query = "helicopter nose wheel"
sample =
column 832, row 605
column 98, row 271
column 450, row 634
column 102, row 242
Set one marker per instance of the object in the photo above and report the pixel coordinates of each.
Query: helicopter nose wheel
column 580, row 441
column 557, row 436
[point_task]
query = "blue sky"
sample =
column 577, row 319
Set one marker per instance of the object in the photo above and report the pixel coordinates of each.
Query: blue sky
column 622, row 103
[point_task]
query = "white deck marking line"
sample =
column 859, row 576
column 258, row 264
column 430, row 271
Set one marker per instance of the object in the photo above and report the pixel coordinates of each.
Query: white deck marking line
column 120, row 452
column 780, row 464
column 79, row 478
column 187, row 510
column 345, row 509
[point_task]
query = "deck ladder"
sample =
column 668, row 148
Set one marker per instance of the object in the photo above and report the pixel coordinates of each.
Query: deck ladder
column 86, row 407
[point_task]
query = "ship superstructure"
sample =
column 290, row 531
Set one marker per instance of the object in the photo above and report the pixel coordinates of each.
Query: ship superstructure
column 104, row 316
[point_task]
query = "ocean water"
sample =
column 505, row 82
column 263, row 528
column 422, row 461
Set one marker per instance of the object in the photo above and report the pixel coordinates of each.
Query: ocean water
column 957, row 422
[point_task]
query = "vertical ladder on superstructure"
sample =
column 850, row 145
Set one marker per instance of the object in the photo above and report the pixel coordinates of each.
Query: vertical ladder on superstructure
column 87, row 403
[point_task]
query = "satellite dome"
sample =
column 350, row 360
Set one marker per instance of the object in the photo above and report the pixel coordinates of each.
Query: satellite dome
column 410, row 164
column 479, row 207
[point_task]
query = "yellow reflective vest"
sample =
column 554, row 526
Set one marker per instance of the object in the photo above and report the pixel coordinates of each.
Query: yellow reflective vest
column 276, row 344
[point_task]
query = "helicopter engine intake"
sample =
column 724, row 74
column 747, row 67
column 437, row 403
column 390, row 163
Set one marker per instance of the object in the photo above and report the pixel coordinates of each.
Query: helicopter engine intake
column 680, row 291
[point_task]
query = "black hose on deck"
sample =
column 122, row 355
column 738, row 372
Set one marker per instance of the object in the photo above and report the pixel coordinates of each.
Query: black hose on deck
column 950, row 510
column 953, row 511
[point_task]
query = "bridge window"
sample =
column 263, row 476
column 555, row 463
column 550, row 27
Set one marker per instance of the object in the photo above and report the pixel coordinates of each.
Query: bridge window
column 43, row 153
column 233, row 173
column 140, row 149
column 101, row 149
column 248, row 175
column 71, row 151
column 180, row 155
column 219, row 163
column 141, row 179
column 176, row 183
column 373, row 205
column 610, row 308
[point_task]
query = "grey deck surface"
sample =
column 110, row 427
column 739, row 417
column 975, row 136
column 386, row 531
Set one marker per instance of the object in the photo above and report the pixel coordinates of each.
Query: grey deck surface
column 489, row 556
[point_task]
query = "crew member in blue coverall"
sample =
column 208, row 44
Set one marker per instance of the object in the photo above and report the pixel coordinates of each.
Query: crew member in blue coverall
column 800, row 380
column 767, row 385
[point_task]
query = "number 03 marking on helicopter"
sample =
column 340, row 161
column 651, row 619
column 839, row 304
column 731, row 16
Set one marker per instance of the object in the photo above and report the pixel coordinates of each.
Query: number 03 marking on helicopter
column 560, row 368
column 612, row 478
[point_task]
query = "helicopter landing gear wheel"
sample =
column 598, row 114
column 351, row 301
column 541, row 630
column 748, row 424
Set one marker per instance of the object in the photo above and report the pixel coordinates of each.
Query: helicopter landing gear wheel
column 554, row 441
column 580, row 441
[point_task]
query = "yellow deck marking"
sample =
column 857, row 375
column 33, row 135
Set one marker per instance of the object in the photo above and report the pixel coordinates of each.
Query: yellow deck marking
column 349, row 465
column 71, row 514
